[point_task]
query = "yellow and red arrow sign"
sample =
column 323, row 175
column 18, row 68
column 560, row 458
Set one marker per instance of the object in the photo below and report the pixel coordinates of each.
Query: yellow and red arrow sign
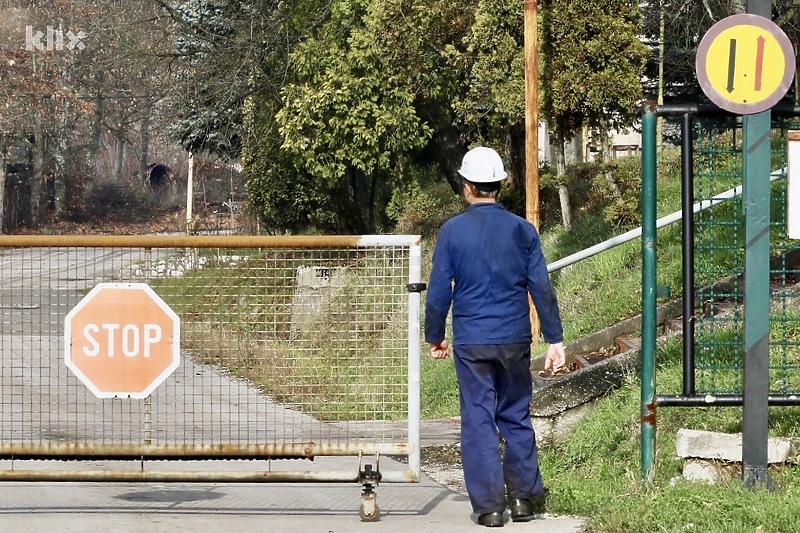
column 745, row 64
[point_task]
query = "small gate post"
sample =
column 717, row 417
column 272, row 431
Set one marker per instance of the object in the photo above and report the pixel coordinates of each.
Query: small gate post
column 648, row 406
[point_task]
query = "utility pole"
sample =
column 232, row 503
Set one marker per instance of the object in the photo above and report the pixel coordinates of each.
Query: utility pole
column 531, row 36
column 661, row 33
column 531, row 22
column 190, row 197
column 756, row 201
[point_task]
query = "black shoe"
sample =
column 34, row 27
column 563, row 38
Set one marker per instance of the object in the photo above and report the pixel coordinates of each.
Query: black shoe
column 522, row 510
column 494, row 519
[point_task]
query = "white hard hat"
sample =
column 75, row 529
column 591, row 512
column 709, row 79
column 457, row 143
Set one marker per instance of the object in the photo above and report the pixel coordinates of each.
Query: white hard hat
column 482, row 165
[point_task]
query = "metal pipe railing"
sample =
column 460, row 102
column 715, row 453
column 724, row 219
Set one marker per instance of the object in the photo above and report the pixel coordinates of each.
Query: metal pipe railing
column 648, row 232
column 206, row 241
column 660, row 223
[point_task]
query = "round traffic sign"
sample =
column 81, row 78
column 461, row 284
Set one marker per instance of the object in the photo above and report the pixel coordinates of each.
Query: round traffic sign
column 122, row 340
column 745, row 64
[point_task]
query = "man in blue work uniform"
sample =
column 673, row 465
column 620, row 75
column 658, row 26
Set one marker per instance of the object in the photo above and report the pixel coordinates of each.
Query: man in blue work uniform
column 486, row 263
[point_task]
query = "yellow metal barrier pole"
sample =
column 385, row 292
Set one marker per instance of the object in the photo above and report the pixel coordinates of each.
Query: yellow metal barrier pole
column 177, row 241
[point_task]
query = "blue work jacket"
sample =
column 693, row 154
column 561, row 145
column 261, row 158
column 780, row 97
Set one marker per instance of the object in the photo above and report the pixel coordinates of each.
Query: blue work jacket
column 485, row 263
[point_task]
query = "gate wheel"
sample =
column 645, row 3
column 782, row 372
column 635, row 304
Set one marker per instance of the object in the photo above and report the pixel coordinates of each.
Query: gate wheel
column 369, row 479
column 369, row 510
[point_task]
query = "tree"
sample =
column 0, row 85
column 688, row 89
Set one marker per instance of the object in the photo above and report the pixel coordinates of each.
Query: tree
column 74, row 72
column 280, row 191
column 341, row 98
column 684, row 24
column 424, row 41
column 402, row 70
column 592, row 76
column 211, row 71
column 37, row 60
column 491, row 104
column 349, row 113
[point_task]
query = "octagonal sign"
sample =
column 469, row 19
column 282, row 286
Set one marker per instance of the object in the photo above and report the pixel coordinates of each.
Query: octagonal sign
column 122, row 340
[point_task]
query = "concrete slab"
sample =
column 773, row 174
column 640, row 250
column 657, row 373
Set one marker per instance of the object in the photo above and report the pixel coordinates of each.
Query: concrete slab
column 167, row 508
column 726, row 446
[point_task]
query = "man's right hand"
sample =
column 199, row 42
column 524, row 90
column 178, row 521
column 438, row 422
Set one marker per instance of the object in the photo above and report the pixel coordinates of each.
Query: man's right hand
column 555, row 359
column 440, row 350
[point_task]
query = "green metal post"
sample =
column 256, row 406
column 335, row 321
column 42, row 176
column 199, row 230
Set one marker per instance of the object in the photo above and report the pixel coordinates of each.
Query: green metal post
column 648, row 407
column 756, row 199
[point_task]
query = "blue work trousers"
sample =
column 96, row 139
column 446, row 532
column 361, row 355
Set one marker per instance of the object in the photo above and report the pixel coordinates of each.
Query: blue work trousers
column 495, row 392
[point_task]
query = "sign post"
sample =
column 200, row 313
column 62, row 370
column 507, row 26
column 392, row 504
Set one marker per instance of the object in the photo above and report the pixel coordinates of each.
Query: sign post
column 745, row 65
column 122, row 340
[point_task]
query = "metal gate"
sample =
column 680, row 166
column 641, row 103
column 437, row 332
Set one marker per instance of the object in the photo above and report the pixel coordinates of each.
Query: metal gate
column 741, row 298
column 290, row 348
column 714, row 256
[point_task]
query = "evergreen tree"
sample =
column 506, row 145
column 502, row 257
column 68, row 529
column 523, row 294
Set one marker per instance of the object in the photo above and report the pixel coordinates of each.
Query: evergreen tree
column 592, row 75
column 211, row 75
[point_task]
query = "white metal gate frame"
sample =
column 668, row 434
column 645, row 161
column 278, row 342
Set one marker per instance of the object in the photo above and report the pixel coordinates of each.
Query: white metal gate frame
column 366, row 474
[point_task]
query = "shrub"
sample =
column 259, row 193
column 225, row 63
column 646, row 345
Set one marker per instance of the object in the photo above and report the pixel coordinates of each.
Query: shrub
column 422, row 208
column 120, row 202
column 612, row 188
column 622, row 180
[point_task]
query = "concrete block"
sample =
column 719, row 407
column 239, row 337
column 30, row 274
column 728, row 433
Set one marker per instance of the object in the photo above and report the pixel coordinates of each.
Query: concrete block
column 555, row 429
column 315, row 285
column 544, row 428
column 710, row 471
column 691, row 443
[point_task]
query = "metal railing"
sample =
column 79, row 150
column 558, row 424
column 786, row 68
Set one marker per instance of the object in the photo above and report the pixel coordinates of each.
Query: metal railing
column 722, row 268
column 636, row 233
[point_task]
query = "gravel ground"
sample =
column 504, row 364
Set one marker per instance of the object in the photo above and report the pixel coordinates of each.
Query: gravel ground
column 443, row 464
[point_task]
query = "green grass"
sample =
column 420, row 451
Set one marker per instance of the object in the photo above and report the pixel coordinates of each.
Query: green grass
column 596, row 472
column 606, row 288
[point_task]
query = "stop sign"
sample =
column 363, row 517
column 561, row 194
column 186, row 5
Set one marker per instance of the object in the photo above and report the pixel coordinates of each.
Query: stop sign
column 122, row 340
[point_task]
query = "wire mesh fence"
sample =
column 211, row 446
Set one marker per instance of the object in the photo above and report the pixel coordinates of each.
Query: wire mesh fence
column 720, row 263
column 288, row 348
